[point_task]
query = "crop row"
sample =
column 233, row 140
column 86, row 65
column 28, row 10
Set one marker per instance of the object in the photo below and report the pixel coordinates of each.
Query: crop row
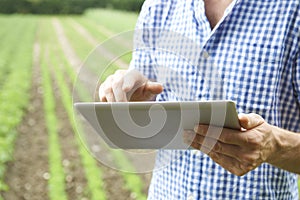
column 119, row 44
column 10, row 43
column 133, row 182
column 92, row 172
column 56, row 183
column 114, row 50
column 83, row 48
column 115, row 21
column 14, row 96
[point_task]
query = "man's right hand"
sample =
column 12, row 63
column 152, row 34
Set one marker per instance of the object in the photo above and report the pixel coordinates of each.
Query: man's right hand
column 128, row 85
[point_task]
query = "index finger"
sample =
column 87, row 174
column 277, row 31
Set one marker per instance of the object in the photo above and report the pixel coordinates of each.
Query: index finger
column 133, row 80
column 225, row 135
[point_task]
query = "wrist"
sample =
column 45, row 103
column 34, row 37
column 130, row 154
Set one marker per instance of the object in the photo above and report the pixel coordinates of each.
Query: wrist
column 277, row 147
column 284, row 154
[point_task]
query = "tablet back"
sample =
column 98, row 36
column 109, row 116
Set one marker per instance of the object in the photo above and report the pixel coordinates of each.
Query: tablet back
column 154, row 125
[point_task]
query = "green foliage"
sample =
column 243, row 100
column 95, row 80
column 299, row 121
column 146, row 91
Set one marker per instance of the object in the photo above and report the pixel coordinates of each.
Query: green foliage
column 14, row 90
column 115, row 21
column 98, row 64
column 56, row 182
column 299, row 186
column 129, row 5
column 117, row 44
column 65, row 6
column 46, row 6
column 57, row 176
column 83, row 49
column 92, row 172
column 9, row 35
column 14, row 95
column 132, row 181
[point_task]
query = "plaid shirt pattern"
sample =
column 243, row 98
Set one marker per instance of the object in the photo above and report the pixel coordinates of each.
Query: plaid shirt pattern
column 252, row 57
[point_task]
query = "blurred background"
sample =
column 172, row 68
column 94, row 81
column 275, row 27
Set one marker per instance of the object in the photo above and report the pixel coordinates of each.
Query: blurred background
column 43, row 44
column 66, row 6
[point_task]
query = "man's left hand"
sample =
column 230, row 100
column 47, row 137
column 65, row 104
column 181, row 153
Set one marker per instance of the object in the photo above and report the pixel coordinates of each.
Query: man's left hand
column 238, row 151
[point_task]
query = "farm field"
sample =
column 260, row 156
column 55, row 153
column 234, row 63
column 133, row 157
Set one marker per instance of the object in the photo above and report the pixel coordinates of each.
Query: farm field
column 41, row 155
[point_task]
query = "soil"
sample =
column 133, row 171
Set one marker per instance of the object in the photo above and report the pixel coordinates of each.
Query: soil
column 74, row 173
column 73, row 58
column 27, row 174
column 75, row 176
column 146, row 177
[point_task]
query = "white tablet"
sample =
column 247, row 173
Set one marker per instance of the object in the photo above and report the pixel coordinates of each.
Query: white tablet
column 154, row 125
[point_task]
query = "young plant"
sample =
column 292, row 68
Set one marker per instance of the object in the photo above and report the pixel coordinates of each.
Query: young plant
column 14, row 95
column 56, row 183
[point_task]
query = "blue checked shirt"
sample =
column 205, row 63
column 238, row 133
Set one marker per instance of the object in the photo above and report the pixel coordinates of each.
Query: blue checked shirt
column 252, row 57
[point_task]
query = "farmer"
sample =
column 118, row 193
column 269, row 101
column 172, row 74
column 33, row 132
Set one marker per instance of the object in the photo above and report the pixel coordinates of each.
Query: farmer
column 246, row 51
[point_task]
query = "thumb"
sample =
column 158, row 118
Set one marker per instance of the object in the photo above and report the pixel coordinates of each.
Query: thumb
column 250, row 121
column 153, row 87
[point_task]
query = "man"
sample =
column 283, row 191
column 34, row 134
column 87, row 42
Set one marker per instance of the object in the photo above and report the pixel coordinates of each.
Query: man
column 242, row 50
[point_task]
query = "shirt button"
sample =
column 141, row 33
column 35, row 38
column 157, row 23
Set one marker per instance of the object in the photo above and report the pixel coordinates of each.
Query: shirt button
column 190, row 197
column 205, row 54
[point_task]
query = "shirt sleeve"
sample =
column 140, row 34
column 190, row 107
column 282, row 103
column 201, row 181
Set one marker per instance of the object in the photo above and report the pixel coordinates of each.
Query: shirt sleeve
column 146, row 33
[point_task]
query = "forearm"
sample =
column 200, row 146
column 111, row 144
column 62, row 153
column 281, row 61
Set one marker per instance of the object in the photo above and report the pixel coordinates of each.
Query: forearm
column 287, row 150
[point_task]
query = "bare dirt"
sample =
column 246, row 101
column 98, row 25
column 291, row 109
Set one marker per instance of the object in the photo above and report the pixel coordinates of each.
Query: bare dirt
column 74, row 60
column 27, row 174
column 75, row 175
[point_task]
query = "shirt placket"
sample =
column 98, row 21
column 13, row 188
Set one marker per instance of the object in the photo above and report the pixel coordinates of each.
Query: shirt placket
column 205, row 56
column 200, row 9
